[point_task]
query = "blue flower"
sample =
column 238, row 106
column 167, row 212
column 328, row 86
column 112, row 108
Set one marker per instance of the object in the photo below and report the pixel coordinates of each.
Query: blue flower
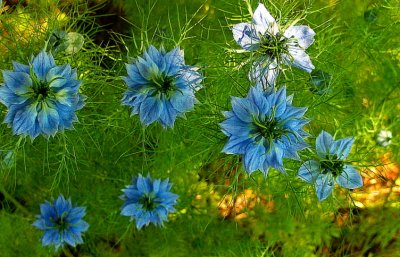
column 160, row 86
column 331, row 166
column 273, row 46
column 148, row 201
column 61, row 223
column 264, row 128
column 41, row 97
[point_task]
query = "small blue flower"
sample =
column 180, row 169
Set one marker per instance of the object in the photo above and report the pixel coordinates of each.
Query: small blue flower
column 41, row 97
column 331, row 166
column 160, row 86
column 148, row 201
column 264, row 128
column 274, row 46
column 61, row 223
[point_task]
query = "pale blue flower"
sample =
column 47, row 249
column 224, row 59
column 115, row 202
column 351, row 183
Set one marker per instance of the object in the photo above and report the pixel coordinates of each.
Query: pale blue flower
column 148, row 201
column 41, row 97
column 273, row 46
column 160, row 86
column 61, row 222
column 330, row 166
column 264, row 128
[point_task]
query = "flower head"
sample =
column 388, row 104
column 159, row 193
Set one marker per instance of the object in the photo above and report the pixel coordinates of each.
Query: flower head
column 275, row 47
column 61, row 223
column 160, row 86
column 41, row 97
column 264, row 128
column 331, row 166
column 384, row 138
column 148, row 201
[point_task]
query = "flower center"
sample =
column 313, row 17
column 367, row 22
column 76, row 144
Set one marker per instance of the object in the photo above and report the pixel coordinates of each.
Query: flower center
column 41, row 90
column 61, row 223
column 333, row 165
column 163, row 84
column 273, row 45
column 148, row 202
column 269, row 129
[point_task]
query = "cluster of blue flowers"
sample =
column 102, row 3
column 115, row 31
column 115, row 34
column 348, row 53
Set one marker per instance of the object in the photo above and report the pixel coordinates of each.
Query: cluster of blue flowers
column 147, row 201
column 264, row 128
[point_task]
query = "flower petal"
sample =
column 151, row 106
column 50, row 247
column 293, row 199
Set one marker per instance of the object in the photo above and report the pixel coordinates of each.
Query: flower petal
column 246, row 36
column 309, row 171
column 264, row 73
column 324, row 186
column 18, row 82
column 264, row 19
column 303, row 34
column 150, row 110
column 298, row 58
column 323, row 144
column 342, row 147
column 254, row 158
column 42, row 63
column 350, row 178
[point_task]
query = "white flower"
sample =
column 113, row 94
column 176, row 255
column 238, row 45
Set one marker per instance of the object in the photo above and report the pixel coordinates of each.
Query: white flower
column 384, row 138
column 264, row 36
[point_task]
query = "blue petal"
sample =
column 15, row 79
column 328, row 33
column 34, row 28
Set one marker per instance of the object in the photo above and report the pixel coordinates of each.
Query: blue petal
column 309, row 171
column 350, row 178
column 237, row 145
column 20, row 67
column 24, row 119
column 8, row 97
column 323, row 144
column 18, row 82
column 42, row 63
column 134, row 75
column 169, row 114
column 143, row 184
column 303, row 34
column 173, row 61
column 342, row 147
column 254, row 158
column 182, row 101
column 244, row 109
column 150, row 110
column 153, row 54
column 257, row 96
column 235, row 127
column 68, row 238
column 324, row 186
column 48, row 118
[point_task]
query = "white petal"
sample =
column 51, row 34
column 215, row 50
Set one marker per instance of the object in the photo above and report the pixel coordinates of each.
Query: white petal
column 246, row 36
column 264, row 73
column 303, row 34
column 298, row 58
column 264, row 19
column 350, row 178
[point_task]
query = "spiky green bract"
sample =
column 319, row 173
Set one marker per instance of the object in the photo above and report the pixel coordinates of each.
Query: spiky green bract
column 148, row 201
column 275, row 47
column 264, row 128
column 331, row 166
column 61, row 222
column 41, row 97
column 160, row 86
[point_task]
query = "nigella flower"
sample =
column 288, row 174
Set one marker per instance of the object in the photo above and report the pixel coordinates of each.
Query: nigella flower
column 160, row 86
column 41, row 97
column 330, row 166
column 274, row 47
column 148, row 201
column 61, row 222
column 384, row 138
column 264, row 128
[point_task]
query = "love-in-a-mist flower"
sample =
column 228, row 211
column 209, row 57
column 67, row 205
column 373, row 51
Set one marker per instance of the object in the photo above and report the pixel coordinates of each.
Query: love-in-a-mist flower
column 160, row 86
column 41, row 97
column 61, row 222
column 273, row 46
column 148, row 201
column 330, row 166
column 264, row 128
column 384, row 138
